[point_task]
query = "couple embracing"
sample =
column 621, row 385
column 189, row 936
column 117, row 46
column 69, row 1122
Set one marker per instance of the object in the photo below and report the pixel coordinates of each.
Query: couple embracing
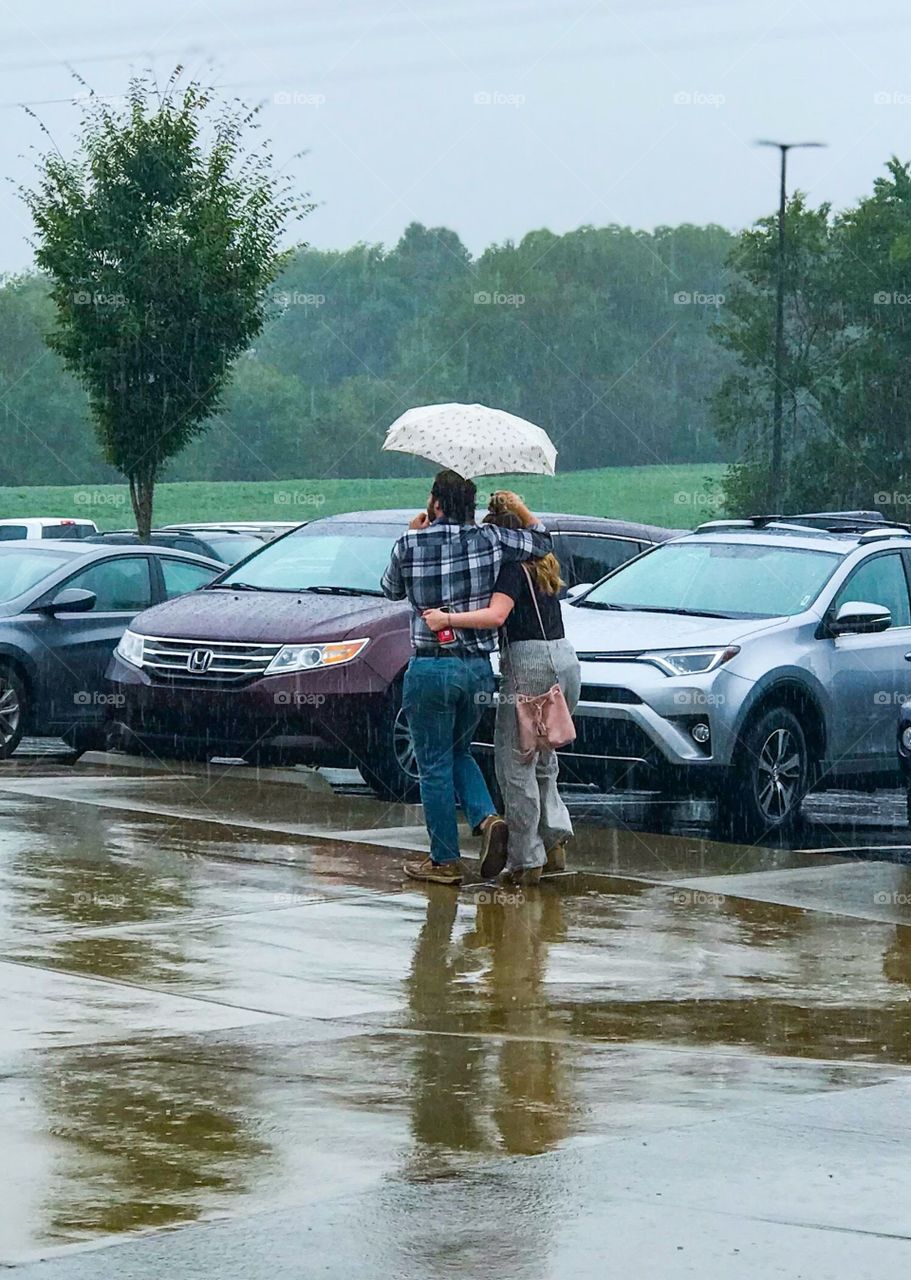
column 469, row 584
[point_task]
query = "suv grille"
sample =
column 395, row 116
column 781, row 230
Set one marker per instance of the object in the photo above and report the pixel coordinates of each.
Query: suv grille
column 608, row 693
column 205, row 661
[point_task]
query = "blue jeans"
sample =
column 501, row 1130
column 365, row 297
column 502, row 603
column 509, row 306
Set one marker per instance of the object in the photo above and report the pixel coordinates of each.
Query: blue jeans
column 443, row 699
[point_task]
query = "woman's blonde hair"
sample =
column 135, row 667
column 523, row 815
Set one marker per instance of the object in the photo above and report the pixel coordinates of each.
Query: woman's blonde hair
column 545, row 571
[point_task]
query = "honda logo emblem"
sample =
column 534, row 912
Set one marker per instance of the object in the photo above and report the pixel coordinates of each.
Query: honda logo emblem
column 200, row 660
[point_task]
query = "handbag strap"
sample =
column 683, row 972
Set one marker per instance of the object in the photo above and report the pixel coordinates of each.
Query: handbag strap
column 534, row 600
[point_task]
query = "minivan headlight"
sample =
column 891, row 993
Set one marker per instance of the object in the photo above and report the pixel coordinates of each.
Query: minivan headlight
column 690, row 662
column 307, row 657
column 130, row 648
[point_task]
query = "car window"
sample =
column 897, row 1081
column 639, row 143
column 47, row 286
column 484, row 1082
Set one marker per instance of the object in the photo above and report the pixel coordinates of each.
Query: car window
column 60, row 531
column 588, row 557
column 23, row 568
column 12, row 532
column 880, row 580
column 231, row 547
column 122, row 585
column 181, row 576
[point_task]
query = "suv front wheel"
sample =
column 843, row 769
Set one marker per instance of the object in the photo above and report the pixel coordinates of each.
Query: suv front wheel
column 770, row 777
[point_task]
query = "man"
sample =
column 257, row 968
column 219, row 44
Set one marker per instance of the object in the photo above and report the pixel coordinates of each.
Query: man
column 447, row 561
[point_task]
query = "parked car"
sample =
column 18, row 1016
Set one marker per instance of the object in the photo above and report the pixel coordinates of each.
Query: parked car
column 63, row 607
column 225, row 546
column 37, row 527
column 266, row 529
column 296, row 654
column 748, row 661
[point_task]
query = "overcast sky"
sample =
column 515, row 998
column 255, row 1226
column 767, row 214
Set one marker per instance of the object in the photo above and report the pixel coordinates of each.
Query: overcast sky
column 495, row 117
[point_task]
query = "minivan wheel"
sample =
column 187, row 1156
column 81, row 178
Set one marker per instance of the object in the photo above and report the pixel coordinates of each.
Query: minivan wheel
column 770, row 777
column 389, row 766
column 12, row 711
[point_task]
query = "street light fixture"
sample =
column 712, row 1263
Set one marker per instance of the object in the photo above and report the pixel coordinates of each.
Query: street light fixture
column 775, row 472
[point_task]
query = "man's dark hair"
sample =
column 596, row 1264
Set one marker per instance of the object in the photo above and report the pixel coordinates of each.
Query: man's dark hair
column 456, row 497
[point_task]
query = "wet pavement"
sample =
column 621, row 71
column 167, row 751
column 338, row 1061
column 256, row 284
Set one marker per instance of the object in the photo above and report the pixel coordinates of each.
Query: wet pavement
column 223, row 1011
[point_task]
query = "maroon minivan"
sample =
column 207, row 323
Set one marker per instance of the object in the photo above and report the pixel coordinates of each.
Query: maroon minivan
column 295, row 655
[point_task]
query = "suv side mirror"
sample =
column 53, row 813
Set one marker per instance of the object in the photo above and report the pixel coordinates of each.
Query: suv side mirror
column 858, row 618
column 578, row 590
column 69, row 600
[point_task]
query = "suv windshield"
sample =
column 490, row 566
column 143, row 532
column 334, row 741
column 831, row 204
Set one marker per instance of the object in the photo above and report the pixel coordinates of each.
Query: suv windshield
column 349, row 556
column 725, row 579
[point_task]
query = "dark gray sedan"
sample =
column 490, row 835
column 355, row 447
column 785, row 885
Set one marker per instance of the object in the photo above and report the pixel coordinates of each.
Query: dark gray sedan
column 63, row 608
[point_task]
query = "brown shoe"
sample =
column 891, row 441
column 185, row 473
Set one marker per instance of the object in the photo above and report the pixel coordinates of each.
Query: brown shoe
column 494, row 847
column 556, row 858
column 436, row 872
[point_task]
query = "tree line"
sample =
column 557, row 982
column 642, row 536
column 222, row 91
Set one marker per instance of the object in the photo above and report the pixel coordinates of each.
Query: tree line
column 847, row 373
column 601, row 335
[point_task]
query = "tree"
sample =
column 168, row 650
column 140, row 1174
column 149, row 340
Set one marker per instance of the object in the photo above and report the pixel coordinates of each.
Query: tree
column 814, row 341
column 161, row 243
column 848, row 369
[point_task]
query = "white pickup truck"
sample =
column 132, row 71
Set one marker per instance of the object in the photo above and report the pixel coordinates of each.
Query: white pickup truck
column 45, row 527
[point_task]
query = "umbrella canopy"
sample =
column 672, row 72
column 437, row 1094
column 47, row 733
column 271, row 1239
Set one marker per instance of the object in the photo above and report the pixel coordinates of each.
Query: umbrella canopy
column 473, row 440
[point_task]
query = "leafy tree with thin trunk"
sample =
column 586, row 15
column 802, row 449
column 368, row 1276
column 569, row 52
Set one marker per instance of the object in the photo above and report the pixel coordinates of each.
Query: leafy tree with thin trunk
column 161, row 239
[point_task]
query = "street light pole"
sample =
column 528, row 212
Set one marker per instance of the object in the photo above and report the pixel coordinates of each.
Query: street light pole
column 777, row 461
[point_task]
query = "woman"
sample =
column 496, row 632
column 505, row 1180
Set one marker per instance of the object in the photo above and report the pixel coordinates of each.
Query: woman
column 530, row 662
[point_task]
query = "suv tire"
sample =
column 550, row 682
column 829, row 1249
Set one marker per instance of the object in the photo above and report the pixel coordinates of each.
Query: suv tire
column 390, row 767
column 769, row 779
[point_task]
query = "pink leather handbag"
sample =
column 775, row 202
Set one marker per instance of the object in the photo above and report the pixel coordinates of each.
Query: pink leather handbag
column 544, row 719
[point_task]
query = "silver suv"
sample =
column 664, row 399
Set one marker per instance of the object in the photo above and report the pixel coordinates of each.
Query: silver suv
column 749, row 661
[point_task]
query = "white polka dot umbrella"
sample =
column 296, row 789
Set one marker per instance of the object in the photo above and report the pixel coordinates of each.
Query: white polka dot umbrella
column 473, row 440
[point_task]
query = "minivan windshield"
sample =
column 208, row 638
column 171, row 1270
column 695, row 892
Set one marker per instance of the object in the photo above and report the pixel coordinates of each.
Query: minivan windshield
column 349, row 557
column 718, row 579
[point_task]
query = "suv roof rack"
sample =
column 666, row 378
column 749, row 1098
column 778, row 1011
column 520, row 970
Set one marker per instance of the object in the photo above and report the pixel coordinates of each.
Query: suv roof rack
column 869, row 524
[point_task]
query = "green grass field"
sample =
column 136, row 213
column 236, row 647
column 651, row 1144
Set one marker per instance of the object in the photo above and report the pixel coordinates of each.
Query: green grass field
column 679, row 496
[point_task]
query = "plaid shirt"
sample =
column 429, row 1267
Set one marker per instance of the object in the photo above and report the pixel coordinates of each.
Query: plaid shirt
column 455, row 566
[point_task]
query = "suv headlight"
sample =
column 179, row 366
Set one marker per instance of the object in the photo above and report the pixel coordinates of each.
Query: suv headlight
column 130, row 648
column 690, row 662
column 307, row 657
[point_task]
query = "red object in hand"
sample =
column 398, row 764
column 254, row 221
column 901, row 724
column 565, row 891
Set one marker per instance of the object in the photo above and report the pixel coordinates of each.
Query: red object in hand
column 446, row 635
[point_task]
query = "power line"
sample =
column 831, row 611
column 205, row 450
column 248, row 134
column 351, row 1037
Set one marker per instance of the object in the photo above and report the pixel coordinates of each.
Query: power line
column 527, row 12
